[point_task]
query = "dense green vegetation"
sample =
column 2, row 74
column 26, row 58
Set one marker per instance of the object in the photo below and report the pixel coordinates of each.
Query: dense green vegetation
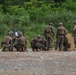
column 32, row 16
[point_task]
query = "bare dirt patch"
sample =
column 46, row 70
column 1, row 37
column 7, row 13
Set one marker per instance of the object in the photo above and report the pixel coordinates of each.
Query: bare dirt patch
column 38, row 63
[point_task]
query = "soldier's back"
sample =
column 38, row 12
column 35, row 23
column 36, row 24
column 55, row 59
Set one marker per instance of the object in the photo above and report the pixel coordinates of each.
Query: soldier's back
column 61, row 27
column 22, row 40
column 74, row 27
column 7, row 39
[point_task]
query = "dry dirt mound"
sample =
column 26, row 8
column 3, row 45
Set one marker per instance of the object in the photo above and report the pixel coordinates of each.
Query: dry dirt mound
column 38, row 63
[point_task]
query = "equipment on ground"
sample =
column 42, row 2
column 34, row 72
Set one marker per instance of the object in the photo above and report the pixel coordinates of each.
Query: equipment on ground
column 71, row 41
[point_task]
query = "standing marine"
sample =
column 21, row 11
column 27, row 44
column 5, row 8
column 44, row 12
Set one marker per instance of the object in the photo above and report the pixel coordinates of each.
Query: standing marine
column 60, row 36
column 74, row 33
column 49, row 35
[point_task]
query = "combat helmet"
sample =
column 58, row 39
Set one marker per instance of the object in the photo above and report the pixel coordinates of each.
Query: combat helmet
column 51, row 23
column 11, row 32
column 20, row 33
column 39, row 36
column 60, row 24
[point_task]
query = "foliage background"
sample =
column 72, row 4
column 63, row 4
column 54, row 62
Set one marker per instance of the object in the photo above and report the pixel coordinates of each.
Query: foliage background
column 32, row 16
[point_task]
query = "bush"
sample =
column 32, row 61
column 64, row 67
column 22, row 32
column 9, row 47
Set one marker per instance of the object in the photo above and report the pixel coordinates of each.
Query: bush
column 31, row 17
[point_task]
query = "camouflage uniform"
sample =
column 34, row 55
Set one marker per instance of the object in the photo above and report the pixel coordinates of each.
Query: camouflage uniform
column 42, row 42
column 49, row 35
column 7, row 43
column 74, row 32
column 12, row 36
column 66, row 44
column 21, row 43
column 35, row 44
column 38, row 43
column 61, row 33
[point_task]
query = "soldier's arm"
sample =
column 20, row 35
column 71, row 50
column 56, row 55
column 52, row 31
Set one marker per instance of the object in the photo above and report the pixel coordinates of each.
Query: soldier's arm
column 66, row 32
column 53, row 31
column 74, row 29
column 5, row 39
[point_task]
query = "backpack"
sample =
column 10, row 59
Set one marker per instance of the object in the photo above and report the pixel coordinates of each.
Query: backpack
column 48, row 32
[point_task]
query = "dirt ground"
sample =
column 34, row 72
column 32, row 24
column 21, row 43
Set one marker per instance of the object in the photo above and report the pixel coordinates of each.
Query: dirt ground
column 38, row 63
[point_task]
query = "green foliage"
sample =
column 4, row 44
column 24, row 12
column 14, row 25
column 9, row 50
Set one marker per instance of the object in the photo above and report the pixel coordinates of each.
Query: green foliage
column 1, row 10
column 16, row 10
column 69, row 5
column 3, row 29
column 32, row 16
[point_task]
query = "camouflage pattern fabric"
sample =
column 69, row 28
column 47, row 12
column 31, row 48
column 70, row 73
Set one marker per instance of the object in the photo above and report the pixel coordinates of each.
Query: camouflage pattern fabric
column 20, row 43
column 49, row 34
column 7, row 43
column 61, row 33
column 74, row 32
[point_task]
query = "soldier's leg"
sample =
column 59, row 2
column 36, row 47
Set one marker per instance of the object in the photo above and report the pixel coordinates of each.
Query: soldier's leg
column 57, row 44
column 51, row 42
column 66, row 48
column 43, row 47
column 17, row 47
column 10, row 48
column 32, row 48
column 66, row 44
column 3, row 49
column 21, row 49
column 61, row 43
column 60, row 46
column 48, row 44
column 5, row 46
column 75, row 43
column 25, row 47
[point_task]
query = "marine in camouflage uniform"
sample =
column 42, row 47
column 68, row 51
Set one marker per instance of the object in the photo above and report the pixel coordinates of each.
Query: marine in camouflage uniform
column 49, row 35
column 12, row 36
column 42, row 42
column 35, row 43
column 74, row 33
column 38, row 43
column 66, row 44
column 60, row 36
column 7, row 43
column 21, row 42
